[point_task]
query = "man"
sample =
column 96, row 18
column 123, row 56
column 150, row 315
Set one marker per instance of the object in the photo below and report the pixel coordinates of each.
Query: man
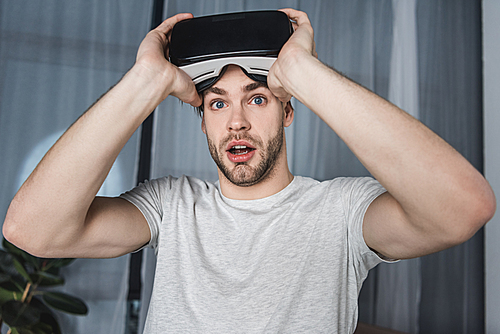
column 261, row 250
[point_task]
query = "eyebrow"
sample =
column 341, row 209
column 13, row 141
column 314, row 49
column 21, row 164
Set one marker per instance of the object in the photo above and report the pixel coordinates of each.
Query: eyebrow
column 247, row 88
column 255, row 85
column 215, row 90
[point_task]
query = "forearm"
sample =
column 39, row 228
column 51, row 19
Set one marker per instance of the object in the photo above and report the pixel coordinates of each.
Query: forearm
column 434, row 184
column 54, row 200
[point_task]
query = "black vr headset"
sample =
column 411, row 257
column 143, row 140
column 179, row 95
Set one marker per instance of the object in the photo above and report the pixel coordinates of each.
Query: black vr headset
column 203, row 47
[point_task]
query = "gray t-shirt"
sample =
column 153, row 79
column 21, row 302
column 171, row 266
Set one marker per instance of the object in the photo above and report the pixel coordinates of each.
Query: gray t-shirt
column 293, row 262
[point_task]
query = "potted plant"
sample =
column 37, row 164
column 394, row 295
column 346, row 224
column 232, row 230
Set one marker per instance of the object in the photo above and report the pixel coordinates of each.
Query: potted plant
column 26, row 297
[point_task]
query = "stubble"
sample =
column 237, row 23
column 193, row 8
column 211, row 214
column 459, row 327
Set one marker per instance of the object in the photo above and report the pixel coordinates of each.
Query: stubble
column 243, row 174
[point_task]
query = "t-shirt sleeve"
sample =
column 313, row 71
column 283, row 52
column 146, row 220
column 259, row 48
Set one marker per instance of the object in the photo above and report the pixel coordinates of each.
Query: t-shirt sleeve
column 358, row 194
column 149, row 198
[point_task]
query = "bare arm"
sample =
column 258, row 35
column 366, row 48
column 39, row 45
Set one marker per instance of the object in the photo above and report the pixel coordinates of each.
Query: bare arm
column 436, row 199
column 55, row 213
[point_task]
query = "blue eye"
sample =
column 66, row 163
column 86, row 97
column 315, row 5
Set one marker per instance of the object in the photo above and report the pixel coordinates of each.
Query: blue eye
column 258, row 100
column 218, row 105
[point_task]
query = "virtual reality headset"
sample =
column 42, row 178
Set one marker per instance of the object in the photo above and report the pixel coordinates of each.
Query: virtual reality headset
column 204, row 46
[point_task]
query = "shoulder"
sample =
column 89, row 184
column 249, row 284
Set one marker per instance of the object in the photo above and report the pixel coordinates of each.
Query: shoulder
column 173, row 183
column 341, row 192
column 345, row 196
column 359, row 186
column 348, row 186
column 165, row 189
column 357, row 193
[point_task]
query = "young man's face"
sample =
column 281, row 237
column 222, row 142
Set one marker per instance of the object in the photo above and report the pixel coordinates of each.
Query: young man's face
column 244, row 124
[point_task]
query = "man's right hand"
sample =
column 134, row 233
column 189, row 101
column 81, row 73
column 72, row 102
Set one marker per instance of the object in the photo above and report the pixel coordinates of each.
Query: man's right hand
column 152, row 62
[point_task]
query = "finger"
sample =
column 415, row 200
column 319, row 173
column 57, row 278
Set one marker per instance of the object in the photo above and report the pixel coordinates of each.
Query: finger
column 277, row 89
column 283, row 96
column 299, row 20
column 186, row 90
column 190, row 95
column 194, row 99
column 296, row 15
column 166, row 26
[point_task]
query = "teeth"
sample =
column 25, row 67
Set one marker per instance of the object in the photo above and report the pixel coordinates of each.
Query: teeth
column 239, row 147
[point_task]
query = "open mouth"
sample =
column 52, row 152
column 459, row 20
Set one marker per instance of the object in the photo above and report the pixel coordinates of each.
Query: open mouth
column 240, row 152
column 240, row 149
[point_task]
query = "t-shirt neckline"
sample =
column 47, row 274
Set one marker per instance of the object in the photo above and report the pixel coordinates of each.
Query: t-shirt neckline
column 261, row 203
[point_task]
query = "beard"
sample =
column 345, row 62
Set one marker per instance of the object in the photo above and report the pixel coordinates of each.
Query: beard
column 243, row 174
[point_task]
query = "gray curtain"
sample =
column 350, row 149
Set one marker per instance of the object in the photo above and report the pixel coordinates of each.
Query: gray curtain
column 57, row 57
column 450, row 72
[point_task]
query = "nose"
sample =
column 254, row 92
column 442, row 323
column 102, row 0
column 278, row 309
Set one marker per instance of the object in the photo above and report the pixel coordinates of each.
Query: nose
column 238, row 120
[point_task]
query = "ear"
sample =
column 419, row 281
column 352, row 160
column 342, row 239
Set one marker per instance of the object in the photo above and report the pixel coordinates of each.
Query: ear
column 289, row 113
column 203, row 126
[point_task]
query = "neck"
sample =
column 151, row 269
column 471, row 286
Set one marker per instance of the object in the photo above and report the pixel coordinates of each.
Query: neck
column 278, row 179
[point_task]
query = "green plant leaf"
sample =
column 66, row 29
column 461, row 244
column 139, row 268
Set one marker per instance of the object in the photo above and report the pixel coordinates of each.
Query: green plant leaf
column 21, row 330
column 27, row 257
column 20, row 269
column 7, row 266
column 19, row 314
column 65, row 303
column 4, row 277
column 48, row 321
column 9, row 247
column 6, row 295
column 37, row 303
column 14, row 286
column 59, row 263
column 39, row 328
column 46, row 279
